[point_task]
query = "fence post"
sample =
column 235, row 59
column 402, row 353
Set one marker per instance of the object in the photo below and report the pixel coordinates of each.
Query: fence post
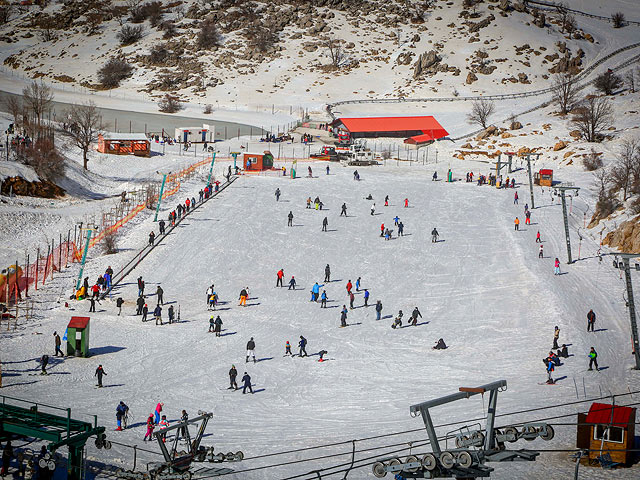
column 37, row 265
column 60, row 254
column 26, row 288
column 17, row 289
column 66, row 259
column 46, row 264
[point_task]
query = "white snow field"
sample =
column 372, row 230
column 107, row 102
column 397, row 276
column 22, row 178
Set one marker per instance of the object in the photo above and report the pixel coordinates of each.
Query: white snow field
column 482, row 288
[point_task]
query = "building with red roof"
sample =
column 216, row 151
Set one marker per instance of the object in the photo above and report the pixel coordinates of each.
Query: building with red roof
column 607, row 429
column 416, row 129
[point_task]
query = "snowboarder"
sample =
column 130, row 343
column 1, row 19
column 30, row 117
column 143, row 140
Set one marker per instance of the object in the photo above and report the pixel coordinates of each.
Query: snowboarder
column 233, row 373
column 343, row 316
column 541, row 252
column 515, row 198
column 292, row 283
column 325, row 222
column 302, row 344
column 556, row 336
column 344, row 210
column 440, row 345
column 243, row 297
column 414, row 316
column 157, row 412
column 218, row 324
column 287, row 349
column 593, row 359
column 516, row 224
column 44, row 360
column 434, row 235
column 556, row 267
column 538, row 237
column 212, row 324
column 323, row 299
column 406, row 203
column 366, row 297
column 150, row 426
column 251, row 345
column 591, row 321
column 119, row 303
column 280, row 276
column 397, row 322
column 277, row 194
column 121, row 411
column 58, row 342
column 157, row 314
column 386, row 201
column 290, row 217
column 378, row 309
column 373, row 209
column 352, row 297
column 246, row 379
column 327, row 273
column 159, row 293
column 99, row 373
column 358, row 284
column 400, row 229
column 322, row 353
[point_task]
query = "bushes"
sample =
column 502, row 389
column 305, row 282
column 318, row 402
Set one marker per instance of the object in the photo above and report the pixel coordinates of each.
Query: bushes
column 159, row 55
column 110, row 243
column 207, row 109
column 151, row 11
column 169, row 28
column 208, row 37
column 617, row 19
column 113, row 72
column 607, row 82
column 170, row 104
column 592, row 161
column 130, row 34
column 45, row 160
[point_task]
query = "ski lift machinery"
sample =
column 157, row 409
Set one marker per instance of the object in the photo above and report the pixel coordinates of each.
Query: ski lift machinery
column 474, row 446
column 177, row 463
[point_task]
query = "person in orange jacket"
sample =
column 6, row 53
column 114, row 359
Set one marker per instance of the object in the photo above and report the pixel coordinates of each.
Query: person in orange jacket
column 280, row 276
column 517, row 223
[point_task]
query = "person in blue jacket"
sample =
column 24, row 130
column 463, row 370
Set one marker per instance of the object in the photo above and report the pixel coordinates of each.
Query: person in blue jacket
column 323, row 299
column 302, row 344
column 315, row 292
column 366, row 297
column 292, row 283
column 121, row 411
column 246, row 381
column 343, row 316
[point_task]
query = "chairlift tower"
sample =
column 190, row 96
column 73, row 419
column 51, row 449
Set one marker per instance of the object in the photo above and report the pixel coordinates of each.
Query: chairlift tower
column 563, row 189
column 473, row 447
column 527, row 158
column 624, row 265
column 500, row 164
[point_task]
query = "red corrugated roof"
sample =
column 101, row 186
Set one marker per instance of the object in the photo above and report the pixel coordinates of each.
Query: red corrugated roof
column 425, row 124
column 546, row 171
column 600, row 413
column 425, row 137
column 78, row 322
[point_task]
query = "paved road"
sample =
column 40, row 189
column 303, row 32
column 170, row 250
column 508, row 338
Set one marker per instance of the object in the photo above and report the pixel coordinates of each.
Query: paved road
column 124, row 121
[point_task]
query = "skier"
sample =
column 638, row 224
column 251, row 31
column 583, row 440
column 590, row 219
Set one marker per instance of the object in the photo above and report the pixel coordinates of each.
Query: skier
column 322, row 353
column 434, row 177
column 397, row 322
column 99, row 373
column 92, row 301
column 251, row 345
column 591, row 321
column 527, row 220
column 157, row 314
column 515, row 198
column 328, row 169
column 44, row 360
column 550, row 369
column 516, row 224
column 243, row 297
column 400, row 229
column 184, row 418
column 171, row 314
column 351, row 299
column 440, row 345
column 212, row 324
column 218, row 327
column 302, row 344
column 292, row 283
column 327, row 273
column 323, row 299
column 121, row 411
column 325, row 222
column 414, row 316
column 406, row 203
column 140, row 304
column 556, row 265
column 387, row 234
column 280, row 276
column 378, row 309
column 593, row 359
column 157, row 412
column 538, row 237
column 310, row 171
column 373, row 209
column 246, row 379
column 150, row 426
column 287, row 349
column 382, row 230
column 358, row 284
column 386, row 201
column 343, row 316
column 140, row 286
column 541, row 252
column 309, row 202
column 434, row 235
column 290, row 217
column 396, row 219
column 119, row 303
column 209, row 293
column 233, row 373
column 366, row 297
column 163, row 425
column 58, row 342
column 159, row 293
column 355, row 175
column 556, row 336
column 277, row 194
column 344, row 210
column 213, row 300
column 315, row 292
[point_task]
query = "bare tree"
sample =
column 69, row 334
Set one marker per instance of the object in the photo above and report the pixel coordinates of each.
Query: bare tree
column 630, row 79
column 607, row 82
column 617, row 19
column 564, row 91
column 563, row 13
column 592, row 161
column 170, row 104
column 607, row 202
column 84, row 126
column 14, row 108
column 208, row 37
column 570, row 24
column 626, row 167
column 337, row 55
column 37, row 97
column 6, row 11
column 130, row 34
column 481, row 110
column 592, row 117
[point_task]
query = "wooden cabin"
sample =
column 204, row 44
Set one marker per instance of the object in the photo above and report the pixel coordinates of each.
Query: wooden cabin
column 124, row 144
column 78, row 337
column 607, row 429
column 256, row 162
column 544, row 177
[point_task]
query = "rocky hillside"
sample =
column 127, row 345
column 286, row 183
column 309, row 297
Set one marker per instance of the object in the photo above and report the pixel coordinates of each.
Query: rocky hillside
column 287, row 51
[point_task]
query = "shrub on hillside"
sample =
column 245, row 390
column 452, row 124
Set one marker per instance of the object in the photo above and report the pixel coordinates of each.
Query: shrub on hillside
column 592, row 161
column 113, row 72
column 208, row 37
column 44, row 158
column 170, row 104
column 130, row 34
column 617, row 19
column 608, row 82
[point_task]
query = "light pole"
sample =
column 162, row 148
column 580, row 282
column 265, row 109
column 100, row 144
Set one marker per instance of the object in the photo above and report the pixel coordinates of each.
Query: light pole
column 563, row 189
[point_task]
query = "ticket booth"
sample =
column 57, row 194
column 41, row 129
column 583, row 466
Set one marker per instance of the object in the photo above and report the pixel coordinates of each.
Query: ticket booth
column 257, row 162
column 78, row 337
column 544, row 177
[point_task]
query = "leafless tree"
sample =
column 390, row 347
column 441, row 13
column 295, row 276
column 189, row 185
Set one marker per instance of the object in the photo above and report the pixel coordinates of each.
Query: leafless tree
column 337, row 55
column 170, row 104
column 630, row 79
column 592, row 117
column 607, row 82
column 208, row 108
column 569, row 24
column 44, row 158
column 84, row 124
column 37, row 98
column 563, row 13
column 617, row 19
column 208, row 37
column 626, row 168
column 6, row 11
column 110, row 242
column 564, row 91
column 607, row 202
column 14, row 108
column 130, row 34
column 481, row 110
column 592, row 161
column 260, row 38
column 114, row 71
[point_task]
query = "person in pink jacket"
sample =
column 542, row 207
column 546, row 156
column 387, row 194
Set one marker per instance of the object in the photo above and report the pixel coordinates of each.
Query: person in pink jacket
column 157, row 414
column 556, row 265
column 150, row 426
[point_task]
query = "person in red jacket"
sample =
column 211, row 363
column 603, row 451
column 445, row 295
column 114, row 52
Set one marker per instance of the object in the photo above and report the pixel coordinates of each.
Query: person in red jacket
column 349, row 287
column 382, row 230
column 280, row 275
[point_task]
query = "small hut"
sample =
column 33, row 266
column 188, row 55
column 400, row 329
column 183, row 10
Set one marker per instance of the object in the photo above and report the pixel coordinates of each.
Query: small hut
column 124, row 144
column 78, row 337
column 544, row 177
column 608, row 429
column 256, row 162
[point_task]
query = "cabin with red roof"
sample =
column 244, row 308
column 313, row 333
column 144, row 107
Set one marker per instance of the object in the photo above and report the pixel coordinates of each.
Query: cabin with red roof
column 419, row 130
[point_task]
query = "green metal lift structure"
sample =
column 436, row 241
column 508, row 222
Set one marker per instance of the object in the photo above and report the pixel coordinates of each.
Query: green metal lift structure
column 23, row 418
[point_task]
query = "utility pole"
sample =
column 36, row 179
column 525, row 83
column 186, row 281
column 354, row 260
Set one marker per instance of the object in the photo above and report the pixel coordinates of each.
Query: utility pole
column 563, row 189
column 164, row 179
column 211, row 169
column 632, row 307
column 84, row 256
column 528, row 160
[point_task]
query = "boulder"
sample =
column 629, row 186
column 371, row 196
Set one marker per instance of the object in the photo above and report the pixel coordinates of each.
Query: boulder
column 516, row 126
column 560, row 145
column 575, row 134
column 540, row 21
column 471, row 77
column 425, row 62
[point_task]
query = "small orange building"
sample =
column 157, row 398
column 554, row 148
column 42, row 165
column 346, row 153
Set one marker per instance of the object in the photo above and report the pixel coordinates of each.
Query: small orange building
column 124, row 144
column 544, row 177
column 608, row 429
column 256, row 162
